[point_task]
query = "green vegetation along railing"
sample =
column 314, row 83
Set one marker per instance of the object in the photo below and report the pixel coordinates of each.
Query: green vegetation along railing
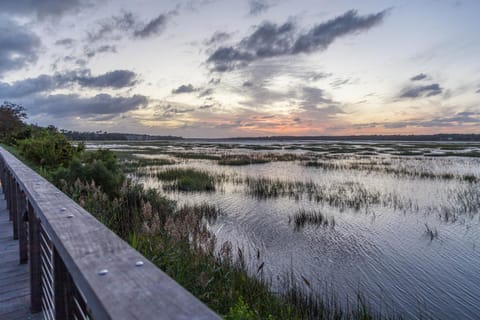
column 79, row 269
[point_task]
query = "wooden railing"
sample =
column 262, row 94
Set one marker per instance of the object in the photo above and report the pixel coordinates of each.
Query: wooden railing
column 79, row 269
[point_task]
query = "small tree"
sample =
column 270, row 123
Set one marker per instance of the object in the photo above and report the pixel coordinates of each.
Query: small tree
column 11, row 119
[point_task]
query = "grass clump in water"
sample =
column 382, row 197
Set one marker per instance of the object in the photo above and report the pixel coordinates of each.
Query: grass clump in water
column 242, row 160
column 194, row 155
column 431, row 233
column 303, row 217
column 187, row 179
column 133, row 165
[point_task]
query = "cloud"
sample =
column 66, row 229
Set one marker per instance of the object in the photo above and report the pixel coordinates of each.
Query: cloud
column 154, row 27
column 26, row 87
column 458, row 119
column 322, row 35
column 214, row 81
column 126, row 23
column 113, row 79
column 419, row 77
column 478, row 91
column 91, row 52
column 184, row 89
column 42, row 8
column 258, row 95
column 258, row 6
column 116, row 27
column 44, row 83
column 422, row 91
column 18, row 46
column 228, row 58
column 170, row 111
column 314, row 76
column 339, row 83
column 68, row 105
column 217, row 38
column 112, row 27
column 196, row 5
column 67, row 42
column 205, row 93
column 271, row 40
column 313, row 97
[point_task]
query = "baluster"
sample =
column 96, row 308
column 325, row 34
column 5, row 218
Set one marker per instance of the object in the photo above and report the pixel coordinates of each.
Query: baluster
column 22, row 230
column 35, row 262
column 62, row 289
column 14, row 206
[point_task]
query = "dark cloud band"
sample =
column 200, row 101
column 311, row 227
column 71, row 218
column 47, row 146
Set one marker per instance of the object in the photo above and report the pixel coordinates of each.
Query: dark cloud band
column 42, row 8
column 45, row 83
column 272, row 40
column 422, row 91
column 74, row 105
column 184, row 88
column 18, row 45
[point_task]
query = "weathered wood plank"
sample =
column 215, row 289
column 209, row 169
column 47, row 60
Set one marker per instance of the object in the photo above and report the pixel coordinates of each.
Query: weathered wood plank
column 86, row 247
column 21, row 277
column 14, row 278
column 22, row 314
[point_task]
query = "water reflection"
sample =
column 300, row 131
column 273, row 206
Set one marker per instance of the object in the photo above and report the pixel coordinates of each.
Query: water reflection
column 380, row 250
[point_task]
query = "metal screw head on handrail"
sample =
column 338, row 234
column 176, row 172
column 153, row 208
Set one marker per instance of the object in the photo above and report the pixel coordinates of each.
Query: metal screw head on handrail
column 102, row 272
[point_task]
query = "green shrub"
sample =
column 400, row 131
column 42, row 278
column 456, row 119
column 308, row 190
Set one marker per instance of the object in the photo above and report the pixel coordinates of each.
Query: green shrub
column 48, row 148
column 240, row 311
column 99, row 166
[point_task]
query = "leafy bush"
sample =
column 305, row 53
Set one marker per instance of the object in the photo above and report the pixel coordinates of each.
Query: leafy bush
column 48, row 148
column 11, row 120
column 240, row 311
column 99, row 166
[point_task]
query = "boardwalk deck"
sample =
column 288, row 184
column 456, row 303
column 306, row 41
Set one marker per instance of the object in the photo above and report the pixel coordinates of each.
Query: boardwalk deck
column 14, row 285
column 78, row 267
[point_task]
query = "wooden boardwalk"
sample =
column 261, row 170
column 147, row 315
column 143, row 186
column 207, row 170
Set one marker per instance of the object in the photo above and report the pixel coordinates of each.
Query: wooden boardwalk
column 77, row 267
column 14, row 278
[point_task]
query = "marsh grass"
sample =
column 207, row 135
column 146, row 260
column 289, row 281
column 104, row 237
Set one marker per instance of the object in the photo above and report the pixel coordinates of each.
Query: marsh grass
column 241, row 160
column 178, row 241
column 187, row 179
column 130, row 166
column 204, row 210
column 340, row 195
column 431, row 233
column 194, row 155
column 303, row 217
column 386, row 167
column 220, row 279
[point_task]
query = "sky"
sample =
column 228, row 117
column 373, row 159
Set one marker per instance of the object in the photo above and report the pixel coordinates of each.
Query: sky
column 220, row 68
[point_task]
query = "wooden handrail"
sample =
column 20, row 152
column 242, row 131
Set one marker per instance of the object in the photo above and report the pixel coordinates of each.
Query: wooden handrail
column 95, row 273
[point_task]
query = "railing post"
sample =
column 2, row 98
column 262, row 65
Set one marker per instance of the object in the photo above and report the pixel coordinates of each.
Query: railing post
column 35, row 261
column 2, row 174
column 14, row 208
column 62, row 288
column 8, row 194
column 22, row 230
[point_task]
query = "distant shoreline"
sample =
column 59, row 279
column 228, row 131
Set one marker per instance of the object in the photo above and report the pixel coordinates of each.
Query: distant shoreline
column 418, row 138
column 104, row 136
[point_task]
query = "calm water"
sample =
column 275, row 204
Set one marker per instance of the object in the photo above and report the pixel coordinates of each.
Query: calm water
column 382, row 250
